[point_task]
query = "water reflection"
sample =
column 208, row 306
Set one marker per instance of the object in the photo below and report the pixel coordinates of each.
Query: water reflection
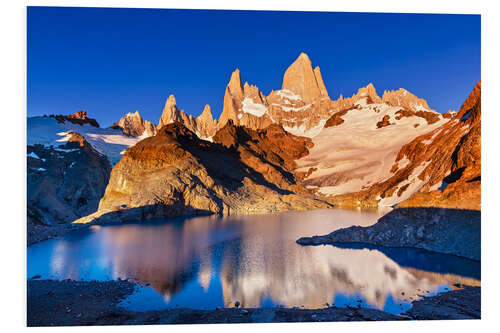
column 205, row 262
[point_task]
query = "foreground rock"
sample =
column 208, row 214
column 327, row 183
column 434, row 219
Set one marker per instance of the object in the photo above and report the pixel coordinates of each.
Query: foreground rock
column 458, row 304
column 175, row 173
column 64, row 184
column 73, row 303
column 449, row 231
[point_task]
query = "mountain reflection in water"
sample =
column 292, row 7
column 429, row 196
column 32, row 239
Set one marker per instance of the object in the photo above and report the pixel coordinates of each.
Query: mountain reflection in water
column 204, row 262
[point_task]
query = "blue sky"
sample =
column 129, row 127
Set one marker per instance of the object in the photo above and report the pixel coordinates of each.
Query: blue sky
column 111, row 61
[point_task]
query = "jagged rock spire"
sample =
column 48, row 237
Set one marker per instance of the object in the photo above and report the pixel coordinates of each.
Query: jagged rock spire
column 301, row 79
column 170, row 112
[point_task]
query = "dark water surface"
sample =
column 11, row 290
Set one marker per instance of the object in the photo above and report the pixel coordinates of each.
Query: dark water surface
column 204, row 262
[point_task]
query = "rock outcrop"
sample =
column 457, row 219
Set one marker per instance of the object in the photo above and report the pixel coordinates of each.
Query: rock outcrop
column 174, row 173
column 64, row 184
column 79, row 117
column 132, row 124
column 449, row 231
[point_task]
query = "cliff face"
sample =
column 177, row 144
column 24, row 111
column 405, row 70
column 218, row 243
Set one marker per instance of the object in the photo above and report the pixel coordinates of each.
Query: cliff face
column 441, row 168
column 175, row 173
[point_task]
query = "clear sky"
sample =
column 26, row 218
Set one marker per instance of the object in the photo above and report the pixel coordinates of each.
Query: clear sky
column 112, row 61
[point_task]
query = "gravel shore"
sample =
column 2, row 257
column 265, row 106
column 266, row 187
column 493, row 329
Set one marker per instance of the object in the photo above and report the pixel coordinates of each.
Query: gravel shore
column 77, row 303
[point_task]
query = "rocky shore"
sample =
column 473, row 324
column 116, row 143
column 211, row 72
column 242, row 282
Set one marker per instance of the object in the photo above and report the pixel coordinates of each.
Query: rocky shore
column 448, row 231
column 72, row 303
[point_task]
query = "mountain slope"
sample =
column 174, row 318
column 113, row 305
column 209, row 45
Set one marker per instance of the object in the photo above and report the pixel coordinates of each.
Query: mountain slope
column 358, row 145
column 53, row 131
column 441, row 168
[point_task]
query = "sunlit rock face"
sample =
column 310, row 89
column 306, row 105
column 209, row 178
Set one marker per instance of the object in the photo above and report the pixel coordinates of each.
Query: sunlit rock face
column 132, row 124
column 204, row 126
column 301, row 79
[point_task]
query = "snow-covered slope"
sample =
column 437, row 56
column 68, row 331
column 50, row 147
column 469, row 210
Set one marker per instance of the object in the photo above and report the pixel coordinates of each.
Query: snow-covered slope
column 361, row 151
column 49, row 132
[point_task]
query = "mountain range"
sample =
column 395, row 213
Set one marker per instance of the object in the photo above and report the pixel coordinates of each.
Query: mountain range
column 293, row 149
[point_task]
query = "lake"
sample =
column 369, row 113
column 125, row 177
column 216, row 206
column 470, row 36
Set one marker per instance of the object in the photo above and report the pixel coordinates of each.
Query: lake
column 210, row 261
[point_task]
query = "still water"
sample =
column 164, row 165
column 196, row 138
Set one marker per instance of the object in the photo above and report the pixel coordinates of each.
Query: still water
column 204, row 262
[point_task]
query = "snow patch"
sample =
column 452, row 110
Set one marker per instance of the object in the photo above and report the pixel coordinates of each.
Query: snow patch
column 207, row 138
column 34, row 155
column 402, row 163
column 285, row 93
column 249, row 106
column 292, row 108
column 420, row 107
column 302, row 131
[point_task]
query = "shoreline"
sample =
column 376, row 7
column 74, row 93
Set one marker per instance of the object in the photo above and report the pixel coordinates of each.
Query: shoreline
column 87, row 303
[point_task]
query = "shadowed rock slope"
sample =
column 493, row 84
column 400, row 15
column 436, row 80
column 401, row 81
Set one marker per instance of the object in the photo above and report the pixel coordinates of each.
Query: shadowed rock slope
column 64, row 183
column 175, row 173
